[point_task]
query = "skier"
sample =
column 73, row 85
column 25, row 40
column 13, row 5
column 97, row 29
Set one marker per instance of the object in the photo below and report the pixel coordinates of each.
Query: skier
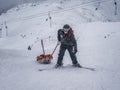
column 67, row 40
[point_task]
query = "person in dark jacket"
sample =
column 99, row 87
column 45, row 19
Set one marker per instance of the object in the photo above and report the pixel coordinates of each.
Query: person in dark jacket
column 67, row 40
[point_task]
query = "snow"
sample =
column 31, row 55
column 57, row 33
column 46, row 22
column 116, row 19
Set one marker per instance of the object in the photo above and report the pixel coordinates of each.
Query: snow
column 98, row 47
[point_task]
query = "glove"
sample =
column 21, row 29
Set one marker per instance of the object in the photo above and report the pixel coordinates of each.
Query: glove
column 74, row 50
column 58, row 43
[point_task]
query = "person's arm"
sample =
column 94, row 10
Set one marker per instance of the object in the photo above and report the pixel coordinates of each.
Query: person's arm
column 59, row 37
column 74, row 43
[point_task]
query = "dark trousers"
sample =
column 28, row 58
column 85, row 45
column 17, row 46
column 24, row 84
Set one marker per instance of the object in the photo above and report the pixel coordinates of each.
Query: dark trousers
column 62, row 52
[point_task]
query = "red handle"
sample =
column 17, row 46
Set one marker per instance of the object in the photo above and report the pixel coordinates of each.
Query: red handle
column 42, row 46
column 54, row 49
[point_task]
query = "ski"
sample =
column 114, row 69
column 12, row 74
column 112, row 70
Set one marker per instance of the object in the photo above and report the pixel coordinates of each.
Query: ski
column 83, row 67
column 44, row 69
column 88, row 68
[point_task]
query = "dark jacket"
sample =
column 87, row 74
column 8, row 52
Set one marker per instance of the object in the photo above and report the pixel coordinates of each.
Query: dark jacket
column 67, row 39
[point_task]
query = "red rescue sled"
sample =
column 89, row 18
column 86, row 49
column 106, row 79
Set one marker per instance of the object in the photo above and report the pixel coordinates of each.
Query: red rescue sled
column 45, row 58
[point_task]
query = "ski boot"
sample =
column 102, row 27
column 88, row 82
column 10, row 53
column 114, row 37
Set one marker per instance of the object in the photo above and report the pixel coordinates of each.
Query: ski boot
column 58, row 65
column 77, row 65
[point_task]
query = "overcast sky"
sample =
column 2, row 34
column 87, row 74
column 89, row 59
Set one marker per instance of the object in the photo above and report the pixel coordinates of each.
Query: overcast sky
column 6, row 4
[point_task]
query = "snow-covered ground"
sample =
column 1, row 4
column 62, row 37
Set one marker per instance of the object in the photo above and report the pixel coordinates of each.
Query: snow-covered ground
column 98, row 47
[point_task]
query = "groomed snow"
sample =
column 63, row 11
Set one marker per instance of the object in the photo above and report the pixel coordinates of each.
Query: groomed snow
column 98, row 47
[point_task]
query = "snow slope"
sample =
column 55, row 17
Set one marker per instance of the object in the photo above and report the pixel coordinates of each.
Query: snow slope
column 98, row 47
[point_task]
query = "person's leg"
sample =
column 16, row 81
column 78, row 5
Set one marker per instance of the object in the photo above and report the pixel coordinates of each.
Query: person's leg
column 61, row 54
column 72, row 55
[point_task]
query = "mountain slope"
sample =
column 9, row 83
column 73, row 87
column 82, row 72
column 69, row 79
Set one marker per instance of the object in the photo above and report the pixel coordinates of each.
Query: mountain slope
column 89, row 10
